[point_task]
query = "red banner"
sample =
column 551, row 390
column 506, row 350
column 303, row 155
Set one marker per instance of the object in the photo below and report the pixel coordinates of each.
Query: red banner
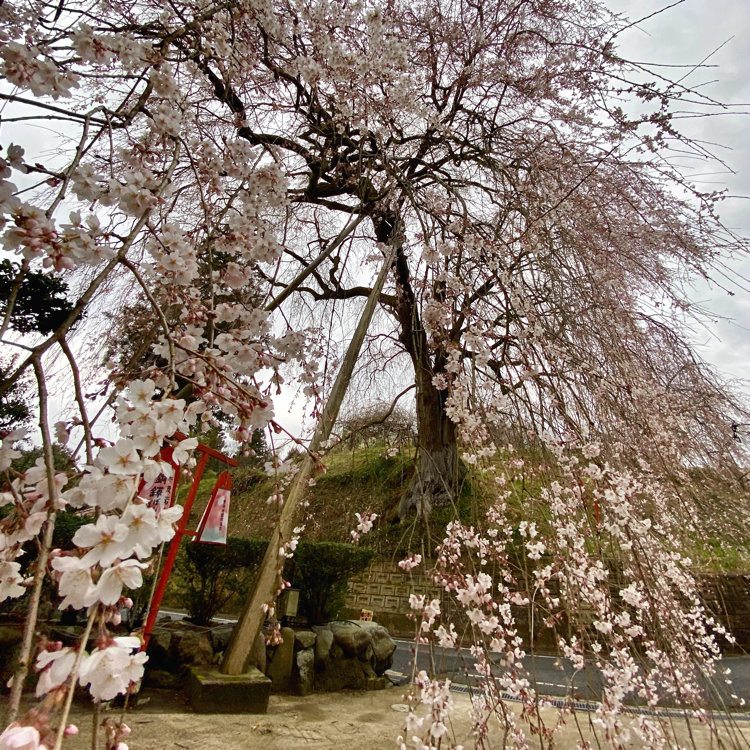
column 215, row 520
column 159, row 493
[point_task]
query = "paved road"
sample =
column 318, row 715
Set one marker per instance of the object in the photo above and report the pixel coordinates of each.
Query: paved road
column 552, row 675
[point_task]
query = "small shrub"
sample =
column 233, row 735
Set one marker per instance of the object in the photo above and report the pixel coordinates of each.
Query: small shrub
column 209, row 576
column 321, row 572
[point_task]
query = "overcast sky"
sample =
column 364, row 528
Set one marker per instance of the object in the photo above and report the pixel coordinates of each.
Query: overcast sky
column 686, row 34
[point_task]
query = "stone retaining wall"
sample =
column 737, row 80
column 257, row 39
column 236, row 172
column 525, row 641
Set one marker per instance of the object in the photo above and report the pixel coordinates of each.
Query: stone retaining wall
column 337, row 656
column 384, row 589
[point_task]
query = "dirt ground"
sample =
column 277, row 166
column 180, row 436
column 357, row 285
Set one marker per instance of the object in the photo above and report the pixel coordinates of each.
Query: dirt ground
column 328, row 721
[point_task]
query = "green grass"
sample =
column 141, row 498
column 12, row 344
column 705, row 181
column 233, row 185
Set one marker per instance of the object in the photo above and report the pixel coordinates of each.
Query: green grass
column 365, row 479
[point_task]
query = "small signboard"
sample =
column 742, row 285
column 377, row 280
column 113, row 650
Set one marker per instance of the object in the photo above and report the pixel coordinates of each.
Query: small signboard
column 215, row 520
column 365, row 615
column 158, row 493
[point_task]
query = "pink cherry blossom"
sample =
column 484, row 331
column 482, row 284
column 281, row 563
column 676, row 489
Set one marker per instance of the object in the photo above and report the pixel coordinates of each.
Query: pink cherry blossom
column 18, row 737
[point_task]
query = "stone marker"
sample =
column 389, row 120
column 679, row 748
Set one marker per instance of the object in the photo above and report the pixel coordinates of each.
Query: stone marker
column 279, row 667
column 306, row 671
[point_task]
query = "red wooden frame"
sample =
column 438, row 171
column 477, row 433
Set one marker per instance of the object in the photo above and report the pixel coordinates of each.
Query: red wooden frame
column 181, row 531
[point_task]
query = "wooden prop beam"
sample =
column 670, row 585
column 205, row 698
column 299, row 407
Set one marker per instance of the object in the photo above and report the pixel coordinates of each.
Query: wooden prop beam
column 250, row 623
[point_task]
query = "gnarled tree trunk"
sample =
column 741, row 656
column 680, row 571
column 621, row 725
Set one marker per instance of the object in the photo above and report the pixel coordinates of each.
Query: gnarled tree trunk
column 439, row 471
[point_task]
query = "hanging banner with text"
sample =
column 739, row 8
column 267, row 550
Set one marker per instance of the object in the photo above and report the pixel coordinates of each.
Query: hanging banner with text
column 215, row 520
column 159, row 493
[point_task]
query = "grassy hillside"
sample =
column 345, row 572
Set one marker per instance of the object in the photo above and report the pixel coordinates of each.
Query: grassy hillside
column 367, row 479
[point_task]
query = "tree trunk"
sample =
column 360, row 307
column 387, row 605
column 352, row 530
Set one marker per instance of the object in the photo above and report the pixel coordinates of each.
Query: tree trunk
column 439, row 471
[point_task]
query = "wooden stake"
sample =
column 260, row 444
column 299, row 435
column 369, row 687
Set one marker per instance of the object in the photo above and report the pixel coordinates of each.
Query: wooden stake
column 253, row 616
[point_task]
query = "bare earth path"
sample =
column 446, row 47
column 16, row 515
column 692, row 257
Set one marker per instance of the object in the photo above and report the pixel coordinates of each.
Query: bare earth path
column 327, row 721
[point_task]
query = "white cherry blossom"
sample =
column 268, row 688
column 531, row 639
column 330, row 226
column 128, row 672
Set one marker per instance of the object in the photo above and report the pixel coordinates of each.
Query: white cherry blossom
column 106, row 540
column 112, row 580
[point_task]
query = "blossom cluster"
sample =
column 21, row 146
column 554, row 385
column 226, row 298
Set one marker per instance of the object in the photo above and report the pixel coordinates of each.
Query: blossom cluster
column 110, row 553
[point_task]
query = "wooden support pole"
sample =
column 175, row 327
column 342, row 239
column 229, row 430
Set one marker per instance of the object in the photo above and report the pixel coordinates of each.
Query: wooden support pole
column 253, row 616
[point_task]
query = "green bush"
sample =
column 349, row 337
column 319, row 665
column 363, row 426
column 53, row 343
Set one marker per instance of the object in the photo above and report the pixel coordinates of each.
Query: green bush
column 209, row 576
column 66, row 525
column 321, row 572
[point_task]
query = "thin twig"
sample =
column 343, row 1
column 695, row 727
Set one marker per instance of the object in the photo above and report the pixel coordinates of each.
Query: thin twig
column 80, row 401
column 41, row 564
column 73, row 675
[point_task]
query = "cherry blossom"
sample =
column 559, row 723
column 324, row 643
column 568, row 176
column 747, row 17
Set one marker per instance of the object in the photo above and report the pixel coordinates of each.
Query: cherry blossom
column 76, row 584
column 110, row 671
column 10, row 580
column 55, row 668
column 19, row 737
column 112, row 581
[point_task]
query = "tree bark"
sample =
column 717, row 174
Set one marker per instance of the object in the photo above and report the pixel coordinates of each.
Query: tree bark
column 439, row 471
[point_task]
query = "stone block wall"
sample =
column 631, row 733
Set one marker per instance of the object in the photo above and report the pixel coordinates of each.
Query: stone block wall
column 384, row 589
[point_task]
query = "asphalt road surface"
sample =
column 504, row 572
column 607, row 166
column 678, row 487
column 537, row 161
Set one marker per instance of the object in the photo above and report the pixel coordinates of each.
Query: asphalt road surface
column 552, row 675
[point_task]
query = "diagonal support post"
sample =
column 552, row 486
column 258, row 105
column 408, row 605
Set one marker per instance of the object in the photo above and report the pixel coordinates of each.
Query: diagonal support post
column 253, row 616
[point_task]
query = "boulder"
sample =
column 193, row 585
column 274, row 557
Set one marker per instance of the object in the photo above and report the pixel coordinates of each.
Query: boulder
column 353, row 639
column 161, row 678
column 344, row 674
column 323, row 643
column 192, row 648
column 280, row 662
column 159, row 648
column 383, row 646
column 304, row 639
column 305, row 671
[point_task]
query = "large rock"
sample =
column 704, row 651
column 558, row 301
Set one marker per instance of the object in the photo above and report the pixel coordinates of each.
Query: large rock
column 280, row 662
column 353, row 639
column 161, row 678
column 192, row 648
column 383, row 646
column 344, row 674
column 323, row 643
column 304, row 638
column 159, row 649
column 305, row 671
